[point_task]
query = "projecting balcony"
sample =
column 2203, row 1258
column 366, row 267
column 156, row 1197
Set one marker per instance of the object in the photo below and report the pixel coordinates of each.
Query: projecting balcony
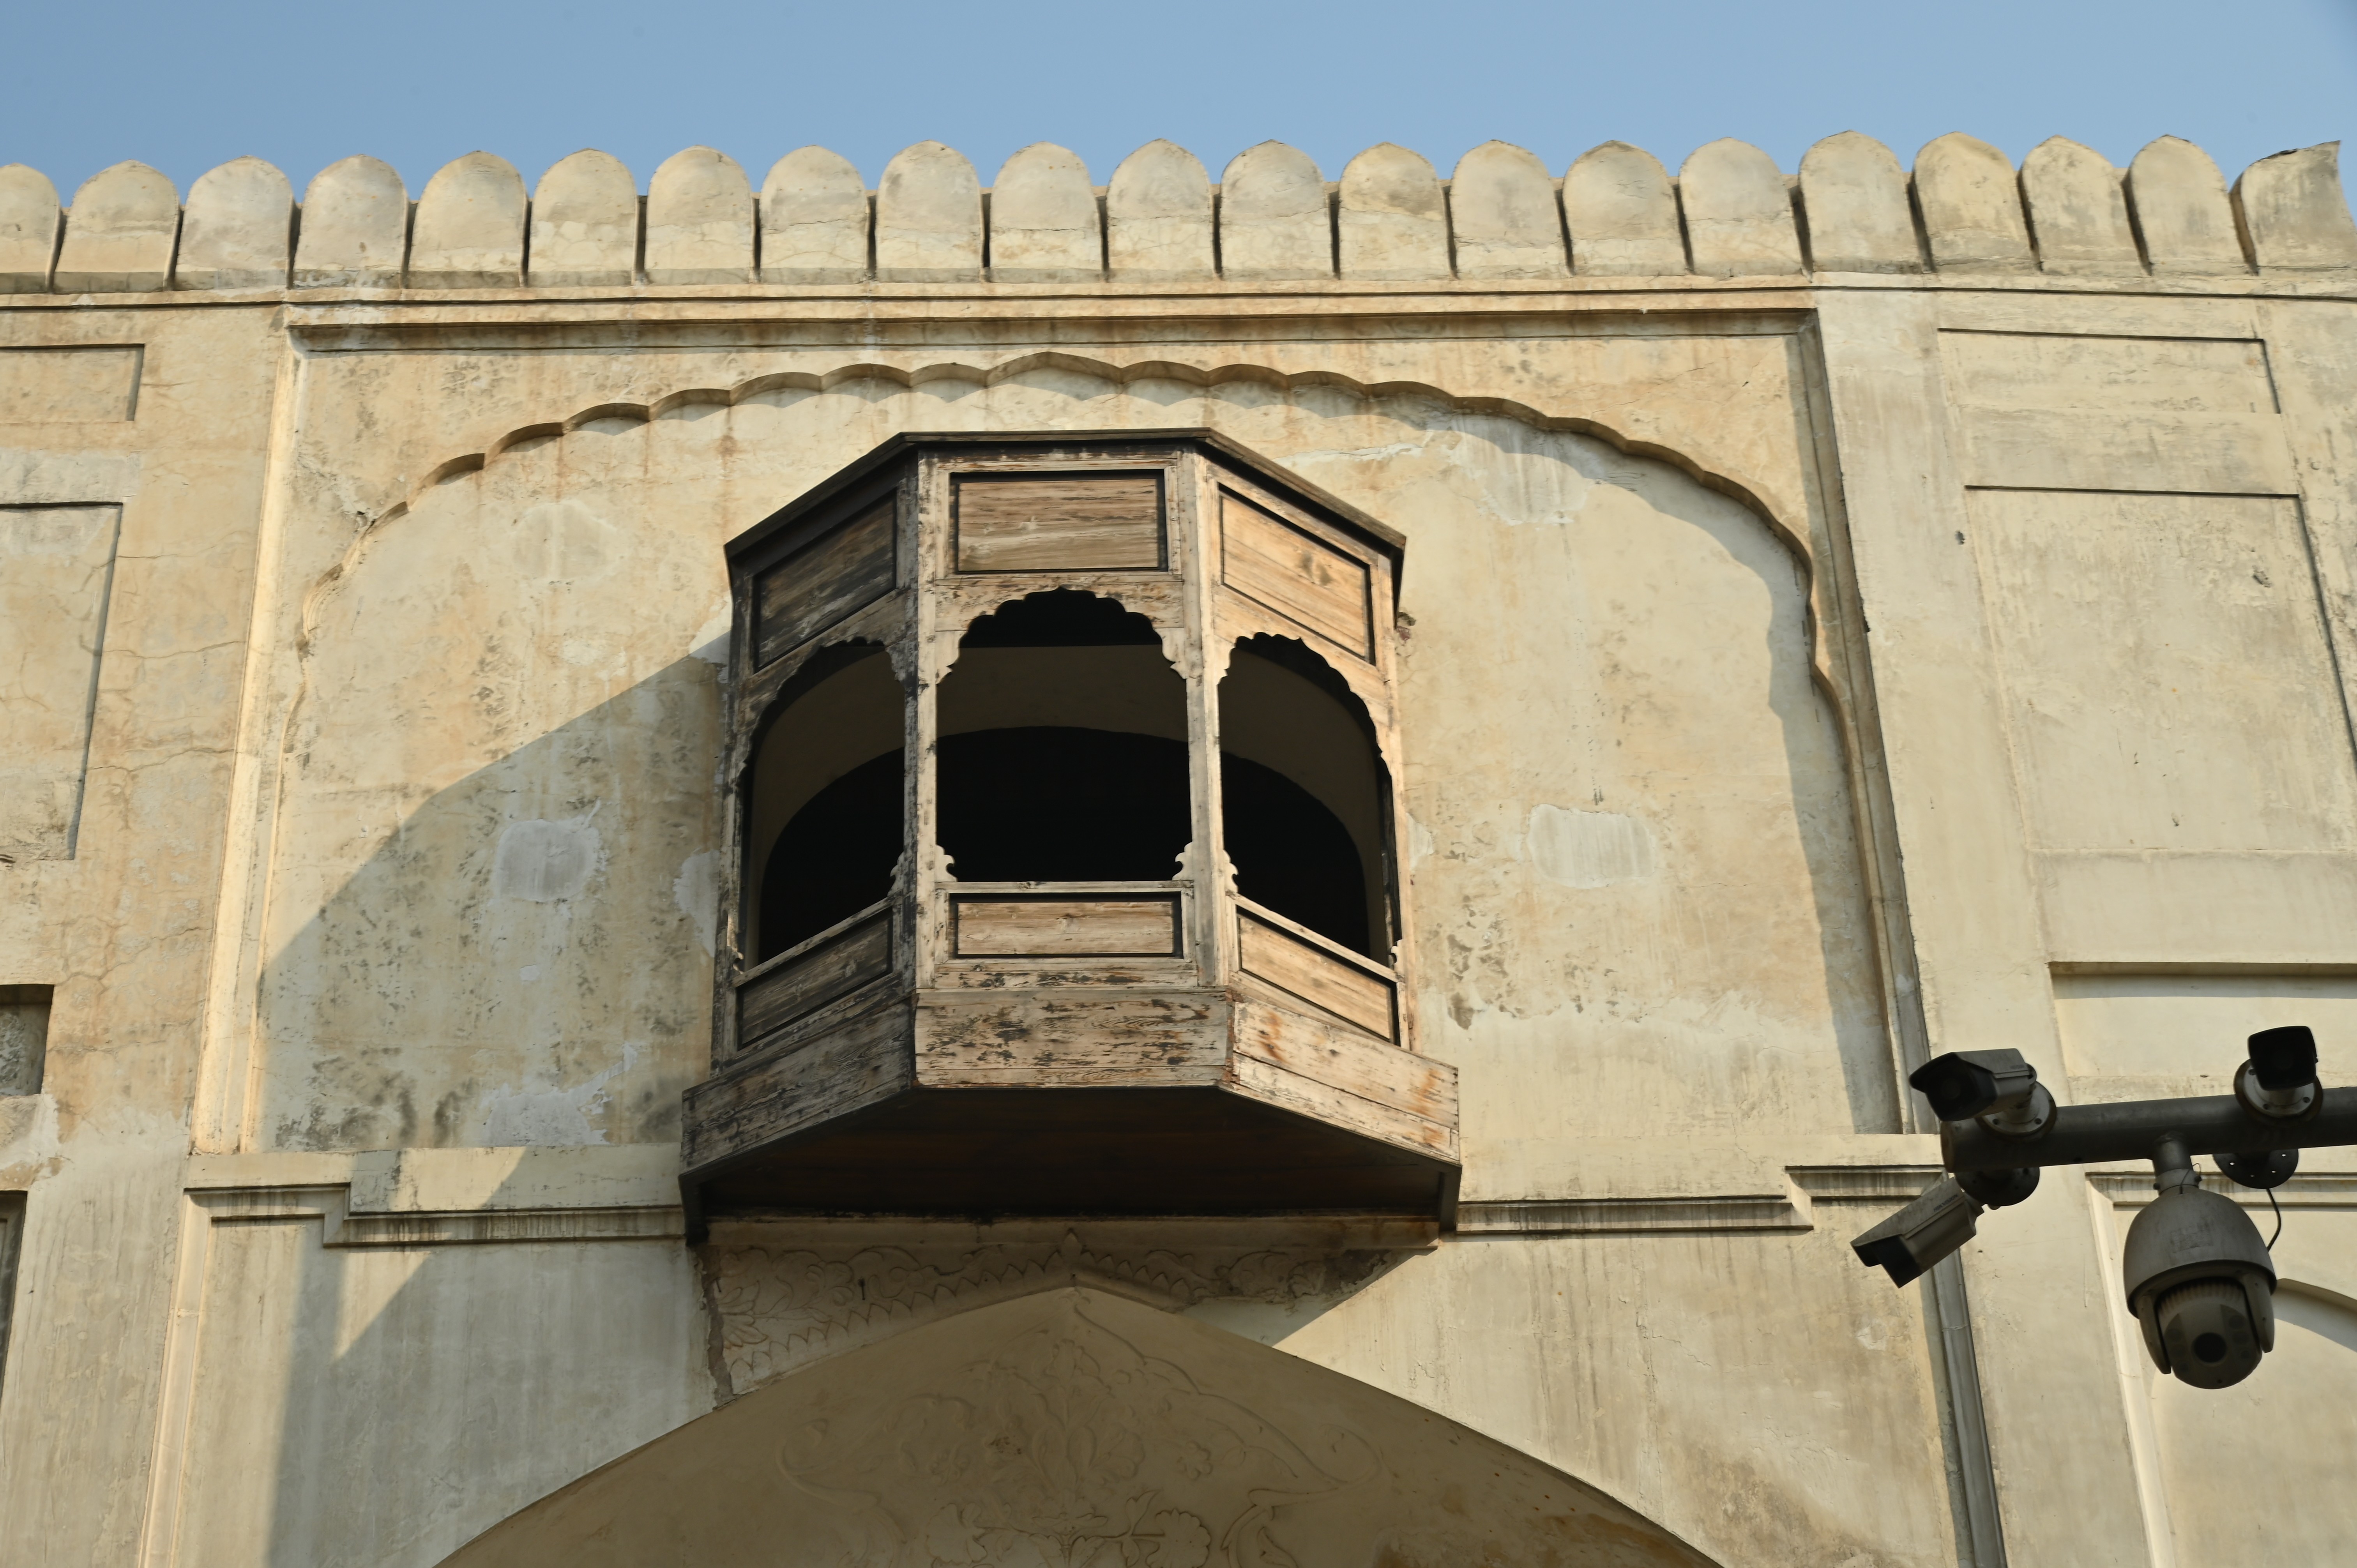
column 1123, row 940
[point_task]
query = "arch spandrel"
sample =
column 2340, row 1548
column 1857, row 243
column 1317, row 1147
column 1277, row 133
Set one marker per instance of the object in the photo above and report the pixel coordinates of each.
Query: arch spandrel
column 1506, row 504
column 1084, row 394
column 1075, row 1427
column 1076, row 383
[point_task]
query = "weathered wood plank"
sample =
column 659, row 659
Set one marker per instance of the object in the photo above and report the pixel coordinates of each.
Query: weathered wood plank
column 1346, row 1060
column 1074, row 928
column 866, row 1060
column 814, row 589
column 1070, row 1038
column 1304, row 579
column 786, row 992
column 1026, row 973
column 1291, row 964
column 1063, row 522
column 1272, row 1085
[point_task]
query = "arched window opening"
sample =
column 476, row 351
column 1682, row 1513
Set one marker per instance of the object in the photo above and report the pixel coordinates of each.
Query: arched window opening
column 1063, row 750
column 1305, row 796
column 823, row 799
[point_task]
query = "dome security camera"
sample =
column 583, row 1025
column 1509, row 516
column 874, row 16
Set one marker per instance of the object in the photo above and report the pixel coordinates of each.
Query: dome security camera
column 2201, row 1283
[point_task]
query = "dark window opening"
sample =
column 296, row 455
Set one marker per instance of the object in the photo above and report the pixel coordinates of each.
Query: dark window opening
column 1291, row 854
column 824, row 799
column 1305, row 809
column 1063, row 750
column 1049, row 803
column 835, row 857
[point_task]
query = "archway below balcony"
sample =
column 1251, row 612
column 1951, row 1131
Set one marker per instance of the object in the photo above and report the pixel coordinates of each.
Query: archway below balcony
column 1072, row 1427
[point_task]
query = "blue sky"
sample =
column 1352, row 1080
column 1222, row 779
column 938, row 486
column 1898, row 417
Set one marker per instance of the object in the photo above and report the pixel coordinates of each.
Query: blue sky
column 185, row 87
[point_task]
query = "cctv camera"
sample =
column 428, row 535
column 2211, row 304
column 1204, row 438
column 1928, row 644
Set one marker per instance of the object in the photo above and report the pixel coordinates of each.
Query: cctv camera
column 2201, row 1284
column 1997, row 1086
column 2278, row 1082
column 1920, row 1234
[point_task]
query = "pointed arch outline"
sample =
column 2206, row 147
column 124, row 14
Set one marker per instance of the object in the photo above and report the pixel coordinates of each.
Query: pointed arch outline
column 1081, row 1419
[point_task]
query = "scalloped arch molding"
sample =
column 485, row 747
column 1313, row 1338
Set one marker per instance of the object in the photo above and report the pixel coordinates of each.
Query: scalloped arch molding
column 952, row 373
column 1222, row 389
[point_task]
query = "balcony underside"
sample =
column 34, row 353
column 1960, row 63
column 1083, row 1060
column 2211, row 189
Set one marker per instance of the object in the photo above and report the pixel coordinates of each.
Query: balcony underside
column 1036, row 1151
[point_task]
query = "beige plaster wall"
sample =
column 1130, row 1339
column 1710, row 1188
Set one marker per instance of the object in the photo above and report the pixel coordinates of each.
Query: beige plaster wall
column 1801, row 671
column 519, row 805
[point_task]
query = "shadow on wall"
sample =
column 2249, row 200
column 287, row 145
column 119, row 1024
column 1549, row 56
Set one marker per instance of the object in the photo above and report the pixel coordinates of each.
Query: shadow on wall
column 525, row 958
column 380, row 1403
column 1639, row 864
column 491, row 887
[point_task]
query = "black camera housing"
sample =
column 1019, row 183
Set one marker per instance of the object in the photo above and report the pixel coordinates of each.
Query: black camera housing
column 1964, row 1084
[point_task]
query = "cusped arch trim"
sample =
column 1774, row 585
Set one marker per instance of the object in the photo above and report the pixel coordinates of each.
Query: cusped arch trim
column 1120, row 375
column 1833, row 683
column 1075, row 1425
column 1793, row 534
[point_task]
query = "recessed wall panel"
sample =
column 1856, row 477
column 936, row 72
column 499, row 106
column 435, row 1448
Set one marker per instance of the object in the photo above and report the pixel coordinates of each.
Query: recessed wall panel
column 2062, row 411
column 2130, row 1035
column 24, row 1037
column 68, row 386
column 2169, row 682
column 57, row 567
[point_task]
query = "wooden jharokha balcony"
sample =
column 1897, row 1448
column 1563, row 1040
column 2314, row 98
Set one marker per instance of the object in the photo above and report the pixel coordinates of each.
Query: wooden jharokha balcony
column 1063, row 848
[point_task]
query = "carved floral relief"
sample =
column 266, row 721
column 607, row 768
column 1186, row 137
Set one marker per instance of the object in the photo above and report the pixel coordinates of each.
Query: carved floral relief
column 1070, row 1447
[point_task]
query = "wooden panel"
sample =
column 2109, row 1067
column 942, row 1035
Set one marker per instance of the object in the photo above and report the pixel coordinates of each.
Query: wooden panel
column 1070, row 1038
column 1274, row 1085
column 1303, row 579
column 845, row 1069
column 1063, row 522
column 1346, row 1060
column 827, row 972
column 812, row 590
column 1066, row 928
column 1318, row 977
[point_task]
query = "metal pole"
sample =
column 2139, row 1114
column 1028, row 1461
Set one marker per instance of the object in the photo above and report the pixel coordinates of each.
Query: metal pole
column 2132, row 1129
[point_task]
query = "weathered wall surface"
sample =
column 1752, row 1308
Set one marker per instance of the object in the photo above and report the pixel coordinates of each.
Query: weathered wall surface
column 523, row 802
column 1845, row 617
